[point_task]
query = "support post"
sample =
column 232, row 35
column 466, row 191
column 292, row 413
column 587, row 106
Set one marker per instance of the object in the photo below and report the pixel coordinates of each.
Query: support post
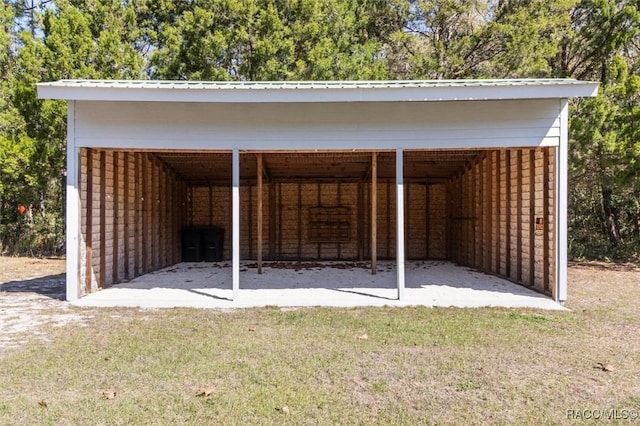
column 259, row 218
column 545, row 216
column 73, row 209
column 560, row 294
column 374, row 211
column 127, row 222
column 400, row 221
column 102, row 280
column 115, row 270
column 235, row 222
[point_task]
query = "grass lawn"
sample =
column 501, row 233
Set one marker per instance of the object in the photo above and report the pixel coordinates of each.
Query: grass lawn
column 338, row 366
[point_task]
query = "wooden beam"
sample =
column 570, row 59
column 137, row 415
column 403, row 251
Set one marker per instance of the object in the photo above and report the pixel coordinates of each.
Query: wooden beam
column 464, row 211
column 136, row 213
column 279, row 209
column 145, row 214
column 388, row 218
column 532, row 217
column 339, row 185
column 489, row 213
column 427, row 219
column 507, row 219
column 360, row 221
column 103, row 220
column 498, row 218
column 299, row 225
column 127, row 222
column 153, row 213
column 449, row 214
column 175, row 221
column 545, row 218
column 265, row 171
column 451, row 198
column 115, row 270
column 519, row 217
column 473, row 183
column 210, row 204
column 176, row 207
column 482, row 202
column 169, row 216
column 272, row 220
column 319, row 204
column 259, row 212
column 407, row 211
column 164, row 214
column 89, row 223
column 190, row 204
column 374, row 211
column 250, row 214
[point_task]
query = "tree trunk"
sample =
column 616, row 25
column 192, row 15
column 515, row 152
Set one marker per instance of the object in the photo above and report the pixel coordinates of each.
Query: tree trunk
column 611, row 217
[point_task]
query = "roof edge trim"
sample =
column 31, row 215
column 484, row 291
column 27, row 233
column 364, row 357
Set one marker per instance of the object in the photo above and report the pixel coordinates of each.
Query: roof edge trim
column 314, row 91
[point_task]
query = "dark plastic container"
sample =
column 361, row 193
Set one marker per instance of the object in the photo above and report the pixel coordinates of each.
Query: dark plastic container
column 212, row 244
column 191, row 245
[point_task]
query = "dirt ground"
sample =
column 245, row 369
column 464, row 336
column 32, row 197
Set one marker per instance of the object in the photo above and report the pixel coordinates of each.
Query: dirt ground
column 32, row 295
column 31, row 298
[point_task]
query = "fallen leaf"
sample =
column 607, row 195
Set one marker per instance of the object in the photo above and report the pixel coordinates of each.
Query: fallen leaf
column 604, row 367
column 43, row 403
column 109, row 394
column 363, row 336
column 206, row 391
column 284, row 410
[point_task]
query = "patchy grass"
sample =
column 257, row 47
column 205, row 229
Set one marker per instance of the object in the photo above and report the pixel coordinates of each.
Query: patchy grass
column 314, row 366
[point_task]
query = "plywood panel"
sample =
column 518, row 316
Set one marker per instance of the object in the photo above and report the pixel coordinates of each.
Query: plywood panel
column 503, row 195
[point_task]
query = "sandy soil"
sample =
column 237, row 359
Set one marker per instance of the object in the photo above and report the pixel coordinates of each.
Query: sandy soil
column 31, row 299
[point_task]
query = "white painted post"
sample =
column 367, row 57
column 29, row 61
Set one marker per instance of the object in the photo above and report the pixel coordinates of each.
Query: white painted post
column 73, row 209
column 235, row 222
column 400, row 221
column 562, row 161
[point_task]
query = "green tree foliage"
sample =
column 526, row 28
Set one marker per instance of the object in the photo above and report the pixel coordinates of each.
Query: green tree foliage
column 44, row 40
column 480, row 38
column 61, row 40
column 605, row 143
column 271, row 40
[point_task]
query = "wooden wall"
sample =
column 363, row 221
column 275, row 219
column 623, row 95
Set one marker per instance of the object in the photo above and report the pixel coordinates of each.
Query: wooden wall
column 286, row 219
column 133, row 207
column 131, row 214
column 494, row 205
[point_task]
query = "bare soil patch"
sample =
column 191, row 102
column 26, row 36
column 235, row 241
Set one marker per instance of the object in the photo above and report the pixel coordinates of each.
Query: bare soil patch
column 31, row 298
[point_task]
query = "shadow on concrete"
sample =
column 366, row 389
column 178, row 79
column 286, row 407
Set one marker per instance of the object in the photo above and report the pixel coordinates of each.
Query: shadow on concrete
column 213, row 296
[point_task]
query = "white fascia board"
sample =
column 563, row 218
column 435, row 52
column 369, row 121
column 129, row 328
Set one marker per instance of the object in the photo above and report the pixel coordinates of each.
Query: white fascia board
column 316, row 145
column 561, row 90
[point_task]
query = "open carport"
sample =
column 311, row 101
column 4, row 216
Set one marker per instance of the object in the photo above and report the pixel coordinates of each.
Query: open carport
column 470, row 172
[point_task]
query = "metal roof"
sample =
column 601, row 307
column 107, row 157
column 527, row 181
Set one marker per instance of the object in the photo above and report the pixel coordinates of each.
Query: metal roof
column 314, row 91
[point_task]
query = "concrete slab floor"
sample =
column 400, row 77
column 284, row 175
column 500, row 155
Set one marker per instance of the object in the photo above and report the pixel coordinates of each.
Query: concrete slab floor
column 338, row 284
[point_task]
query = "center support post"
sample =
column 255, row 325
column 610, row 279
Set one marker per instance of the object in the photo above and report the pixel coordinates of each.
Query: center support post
column 235, row 222
column 400, row 222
